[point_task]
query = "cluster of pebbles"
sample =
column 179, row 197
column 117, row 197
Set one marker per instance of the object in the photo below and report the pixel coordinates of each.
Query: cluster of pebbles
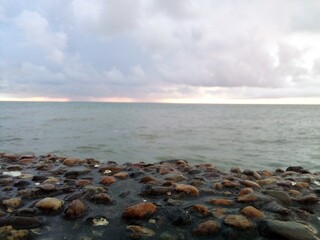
column 51, row 197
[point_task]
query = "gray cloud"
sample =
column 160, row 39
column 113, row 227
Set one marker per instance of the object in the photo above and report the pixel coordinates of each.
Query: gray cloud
column 148, row 50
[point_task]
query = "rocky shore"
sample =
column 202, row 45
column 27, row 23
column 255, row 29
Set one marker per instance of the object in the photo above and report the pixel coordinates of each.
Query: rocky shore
column 51, row 197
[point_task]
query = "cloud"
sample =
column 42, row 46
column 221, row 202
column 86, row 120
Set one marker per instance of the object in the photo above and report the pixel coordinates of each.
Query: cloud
column 38, row 32
column 147, row 50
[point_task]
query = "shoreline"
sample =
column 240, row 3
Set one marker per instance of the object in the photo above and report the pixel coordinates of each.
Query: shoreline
column 52, row 197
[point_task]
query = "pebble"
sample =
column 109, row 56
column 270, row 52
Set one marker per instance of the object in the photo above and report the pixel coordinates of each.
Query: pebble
column 71, row 161
column 280, row 195
column 139, row 210
column 12, row 202
column 309, row 199
column 209, row 227
column 9, row 233
column 247, row 198
column 187, row 189
column 251, row 184
column 75, row 209
column 221, row 201
column 288, row 230
column 107, row 180
column 140, row 232
column 101, row 198
column 49, row 203
column 238, row 222
column 201, row 209
column 245, row 191
column 121, row 175
column 252, row 212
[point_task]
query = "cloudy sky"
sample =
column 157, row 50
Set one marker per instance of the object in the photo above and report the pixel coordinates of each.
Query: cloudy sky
column 232, row 51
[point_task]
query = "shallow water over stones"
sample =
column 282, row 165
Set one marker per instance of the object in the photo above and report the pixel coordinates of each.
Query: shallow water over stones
column 68, row 198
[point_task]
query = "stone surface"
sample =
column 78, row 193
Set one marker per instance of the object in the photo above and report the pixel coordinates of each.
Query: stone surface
column 121, row 175
column 280, row 195
column 187, row 189
column 247, row 198
column 107, row 180
column 251, row 184
column 209, row 227
column 288, row 230
column 238, row 221
column 252, row 212
column 201, row 209
column 12, row 202
column 221, row 201
column 49, row 203
column 140, row 232
column 75, row 209
column 139, row 210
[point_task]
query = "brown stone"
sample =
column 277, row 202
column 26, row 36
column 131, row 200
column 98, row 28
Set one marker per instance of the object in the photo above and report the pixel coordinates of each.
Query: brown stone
column 300, row 185
column 209, row 227
column 139, row 232
column 252, row 212
column 267, row 181
column 218, row 186
column 221, row 201
column 231, row 184
column 107, row 180
column 9, row 233
column 101, row 198
column 147, row 179
column 201, row 209
column 266, row 173
column 139, row 210
column 309, row 199
column 188, row 189
column 245, row 191
column 83, row 182
column 49, row 203
column 27, row 160
column 247, row 198
column 71, row 161
column 219, row 212
column 121, row 175
column 75, row 209
column 12, row 202
column 238, row 222
column 52, row 180
column 294, row 192
column 48, row 187
column 251, row 184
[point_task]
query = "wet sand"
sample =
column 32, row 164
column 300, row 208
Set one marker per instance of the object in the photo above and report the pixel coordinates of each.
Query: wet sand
column 52, row 197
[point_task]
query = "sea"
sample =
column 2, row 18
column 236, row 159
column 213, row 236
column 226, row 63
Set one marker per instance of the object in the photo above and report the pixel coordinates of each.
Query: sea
column 246, row 136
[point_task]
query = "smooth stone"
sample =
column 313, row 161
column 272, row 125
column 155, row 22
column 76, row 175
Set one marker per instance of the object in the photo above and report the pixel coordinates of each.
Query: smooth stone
column 187, row 189
column 175, row 177
column 101, row 198
column 51, row 180
column 147, row 179
column 266, row 181
column 14, row 168
column 219, row 212
column 107, row 180
column 230, row 184
column 252, row 212
column 77, row 171
column 209, row 227
column 140, row 232
column 12, row 202
column 121, row 175
column 75, row 209
column 294, row 192
column 49, row 203
column 245, row 191
column 221, row 201
column 201, row 209
column 280, row 195
column 139, row 210
column 300, row 185
column 9, row 233
column 276, row 208
column 288, row 230
column 217, row 186
column 238, row 222
column 91, row 190
column 48, row 187
column 247, row 198
column 252, row 173
column 149, row 190
column 26, row 212
column 309, row 199
column 21, row 184
column 178, row 216
column 5, row 181
column 71, row 161
column 249, row 183
column 236, row 170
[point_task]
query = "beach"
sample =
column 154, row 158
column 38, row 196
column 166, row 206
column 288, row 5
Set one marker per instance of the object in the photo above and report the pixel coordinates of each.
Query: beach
column 53, row 197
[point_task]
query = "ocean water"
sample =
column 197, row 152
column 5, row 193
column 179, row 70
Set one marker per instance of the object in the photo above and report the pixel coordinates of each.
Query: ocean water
column 248, row 136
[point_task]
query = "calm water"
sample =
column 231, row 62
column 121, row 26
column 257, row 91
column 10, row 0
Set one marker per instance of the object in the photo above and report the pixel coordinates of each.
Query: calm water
column 249, row 136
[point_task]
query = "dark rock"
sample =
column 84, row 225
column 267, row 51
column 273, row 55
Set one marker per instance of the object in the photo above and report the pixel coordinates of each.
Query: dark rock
column 178, row 216
column 276, row 208
column 26, row 212
column 14, row 168
column 287, row 230
column 101, row 198
column 209, row 227
column 309, row 199
column 77, row 171
column 280, row 195
column 21, row 183
column 149, row 190
column 22, row 222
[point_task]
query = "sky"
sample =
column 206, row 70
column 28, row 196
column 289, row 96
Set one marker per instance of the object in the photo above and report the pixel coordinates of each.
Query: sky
column 179, row 51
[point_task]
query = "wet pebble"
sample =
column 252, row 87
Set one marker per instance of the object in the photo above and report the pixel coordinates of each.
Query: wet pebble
column 139, row 210
column 50, row 204
column 75, row 209
column 238, row 222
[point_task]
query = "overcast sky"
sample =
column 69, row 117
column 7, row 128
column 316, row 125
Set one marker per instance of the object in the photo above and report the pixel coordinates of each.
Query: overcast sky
column 166, row 50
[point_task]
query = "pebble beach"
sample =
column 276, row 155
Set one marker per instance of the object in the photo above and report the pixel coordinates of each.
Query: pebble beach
column 53, row 197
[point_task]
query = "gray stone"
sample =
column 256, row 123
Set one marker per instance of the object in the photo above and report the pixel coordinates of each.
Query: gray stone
column 282, row 196
column 288, row 230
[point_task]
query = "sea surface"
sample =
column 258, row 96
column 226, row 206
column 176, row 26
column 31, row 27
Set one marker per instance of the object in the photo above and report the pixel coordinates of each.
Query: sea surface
column 248, row 136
